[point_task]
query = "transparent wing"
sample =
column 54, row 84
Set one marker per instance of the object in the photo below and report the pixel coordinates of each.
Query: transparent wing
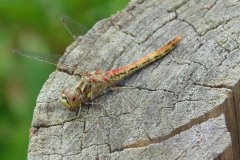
column 85, row 59
column 49, row 58
column 54, row 59
column 74, row 28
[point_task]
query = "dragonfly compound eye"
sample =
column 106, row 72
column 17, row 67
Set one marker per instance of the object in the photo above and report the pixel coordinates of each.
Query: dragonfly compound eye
column 65, row 90
column 71, row 96
column 69, row 99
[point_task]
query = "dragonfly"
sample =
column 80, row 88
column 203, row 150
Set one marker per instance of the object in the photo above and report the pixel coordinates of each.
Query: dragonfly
column 93, row 84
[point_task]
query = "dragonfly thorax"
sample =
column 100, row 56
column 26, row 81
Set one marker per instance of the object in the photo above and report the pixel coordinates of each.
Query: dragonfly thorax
column 90, row 85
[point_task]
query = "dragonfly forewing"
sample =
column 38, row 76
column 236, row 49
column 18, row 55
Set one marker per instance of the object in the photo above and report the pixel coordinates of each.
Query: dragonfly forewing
column 48, row 58
column 74, row 28
column 54, row 59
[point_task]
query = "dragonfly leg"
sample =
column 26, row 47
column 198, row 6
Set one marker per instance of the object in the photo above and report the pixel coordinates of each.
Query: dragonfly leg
column 77, row 115
column 79, row 111
column 119, row 88
column 124, row 87
column 101, row 105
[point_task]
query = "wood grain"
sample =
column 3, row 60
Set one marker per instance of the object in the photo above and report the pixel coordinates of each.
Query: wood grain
column 185, row 106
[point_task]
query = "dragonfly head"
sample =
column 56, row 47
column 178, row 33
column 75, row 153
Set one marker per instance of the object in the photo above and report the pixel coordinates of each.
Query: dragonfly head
column 70, row 99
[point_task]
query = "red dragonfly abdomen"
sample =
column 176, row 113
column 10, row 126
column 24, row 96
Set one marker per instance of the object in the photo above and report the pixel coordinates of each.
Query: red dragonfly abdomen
column 116, row 75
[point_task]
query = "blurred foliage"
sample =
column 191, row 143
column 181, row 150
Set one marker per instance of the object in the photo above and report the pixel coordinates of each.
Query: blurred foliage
column 34, row 26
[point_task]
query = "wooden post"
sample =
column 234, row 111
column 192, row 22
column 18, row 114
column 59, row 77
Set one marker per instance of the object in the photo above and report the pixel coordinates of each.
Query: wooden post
column 185, row 106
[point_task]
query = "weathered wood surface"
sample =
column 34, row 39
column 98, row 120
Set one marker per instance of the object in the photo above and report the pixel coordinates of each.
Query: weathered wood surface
column 187, row 102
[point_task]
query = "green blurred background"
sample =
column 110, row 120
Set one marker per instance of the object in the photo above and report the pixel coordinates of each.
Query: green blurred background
column 34, row 26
